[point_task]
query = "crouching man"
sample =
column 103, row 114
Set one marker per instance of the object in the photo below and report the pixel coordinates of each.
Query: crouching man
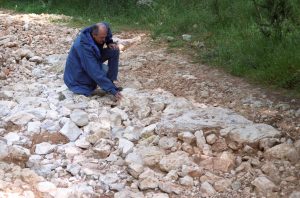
column 84, row 67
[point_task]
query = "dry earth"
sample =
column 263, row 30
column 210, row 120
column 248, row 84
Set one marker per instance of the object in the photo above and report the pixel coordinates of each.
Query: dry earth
column 182, row 129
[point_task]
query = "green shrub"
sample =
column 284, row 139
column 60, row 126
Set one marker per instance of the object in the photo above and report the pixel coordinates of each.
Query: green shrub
column 274, row 17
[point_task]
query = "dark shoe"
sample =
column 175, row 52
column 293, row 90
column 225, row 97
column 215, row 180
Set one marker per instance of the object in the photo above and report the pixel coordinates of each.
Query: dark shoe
column 119, row 88
column 99, row 92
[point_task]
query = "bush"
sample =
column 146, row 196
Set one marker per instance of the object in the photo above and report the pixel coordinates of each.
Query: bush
column 274, row 17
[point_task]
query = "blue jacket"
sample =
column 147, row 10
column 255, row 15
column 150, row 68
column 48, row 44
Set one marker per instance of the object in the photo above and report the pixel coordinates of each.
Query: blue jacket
column 83, row 70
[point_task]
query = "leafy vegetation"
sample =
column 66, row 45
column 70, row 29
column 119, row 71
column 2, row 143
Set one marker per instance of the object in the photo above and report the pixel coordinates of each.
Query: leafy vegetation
column 256, row 39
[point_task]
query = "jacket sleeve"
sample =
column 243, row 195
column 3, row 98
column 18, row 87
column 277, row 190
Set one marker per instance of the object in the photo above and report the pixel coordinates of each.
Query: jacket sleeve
column 94, row 69
column 108, row 38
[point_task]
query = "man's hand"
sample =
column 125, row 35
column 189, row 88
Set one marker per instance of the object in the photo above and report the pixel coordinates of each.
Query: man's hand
column 113, row 46
column 118, row 96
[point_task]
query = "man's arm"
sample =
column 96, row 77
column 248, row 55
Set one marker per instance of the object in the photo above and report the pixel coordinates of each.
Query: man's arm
column 108, row 39
column 94, row 69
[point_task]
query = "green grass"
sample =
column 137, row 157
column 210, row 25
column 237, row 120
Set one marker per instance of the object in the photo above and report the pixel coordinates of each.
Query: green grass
column 228, row 29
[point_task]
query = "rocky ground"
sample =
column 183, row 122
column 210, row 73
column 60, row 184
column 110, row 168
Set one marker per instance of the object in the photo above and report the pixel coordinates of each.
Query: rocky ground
column 182, row 129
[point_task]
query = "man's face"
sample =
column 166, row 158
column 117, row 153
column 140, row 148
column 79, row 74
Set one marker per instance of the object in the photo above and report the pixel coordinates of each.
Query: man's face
column 100, row 37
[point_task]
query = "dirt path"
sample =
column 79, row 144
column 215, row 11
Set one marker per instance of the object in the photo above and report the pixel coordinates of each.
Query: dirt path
column 182, row 130
column 153, row 66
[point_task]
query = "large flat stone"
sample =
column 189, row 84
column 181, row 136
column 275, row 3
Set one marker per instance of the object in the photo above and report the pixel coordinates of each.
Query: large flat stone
column 195, row 119
column 251, row 133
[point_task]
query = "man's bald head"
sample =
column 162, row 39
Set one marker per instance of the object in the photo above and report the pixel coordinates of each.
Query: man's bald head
column 99, row 32
column 99, row 28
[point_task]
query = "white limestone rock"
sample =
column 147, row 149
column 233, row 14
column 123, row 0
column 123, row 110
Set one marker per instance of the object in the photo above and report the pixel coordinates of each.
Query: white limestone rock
column 121, row 112
column 225, row 162
column 252, row 133
column 295, row 194
column 109, row 178
column 207, row 190
column 174, row 161
column 128, row 193
column 148, row 131
column 74, row 169
column 167, row 142
column 283, row 151
column 200, row 139
column 222, row 185
column 71, row 131
column 12, row 138
column 23, row 52
column 82, row 143
column 156, row 195
column 103, row 148
column 34, row 127
column 135, row 169
column 71, row 151
column 79, row 117
column 50, row 126
column 3, row 150
column 44, row 148
column 46, row 187
column 187, row 37
column 36, row 59
column 264, row 185
column 151, row 155
column 134, row 158
column 20, row 118
column 187, row 137
column 125, row 146
column 115, row 120
column 171, row 176
column 19, row 153
column 148, row 183
column 170, row 187
column 186, row 181
column 211, row 138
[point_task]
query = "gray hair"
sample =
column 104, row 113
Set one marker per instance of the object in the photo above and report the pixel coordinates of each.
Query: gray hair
column 98, row 27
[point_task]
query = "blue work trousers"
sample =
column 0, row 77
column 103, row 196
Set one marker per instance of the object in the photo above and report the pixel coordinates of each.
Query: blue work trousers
column 112, row 56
